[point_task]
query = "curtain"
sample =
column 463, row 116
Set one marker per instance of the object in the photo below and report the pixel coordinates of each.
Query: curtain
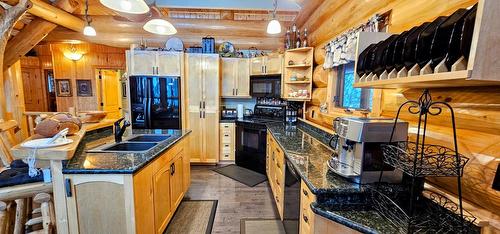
column 342, row 49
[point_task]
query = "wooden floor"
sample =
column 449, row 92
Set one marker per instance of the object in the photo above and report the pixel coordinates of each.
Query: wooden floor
column 236, row 200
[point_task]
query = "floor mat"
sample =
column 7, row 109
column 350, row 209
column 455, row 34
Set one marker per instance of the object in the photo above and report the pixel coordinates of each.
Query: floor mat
column 262, row 226
column 242, row 175
column 193, row 216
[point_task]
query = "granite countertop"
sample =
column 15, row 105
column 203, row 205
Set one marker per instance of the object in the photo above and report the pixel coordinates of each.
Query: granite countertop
column 338, row 199
column 308, row 152
column 117, row 163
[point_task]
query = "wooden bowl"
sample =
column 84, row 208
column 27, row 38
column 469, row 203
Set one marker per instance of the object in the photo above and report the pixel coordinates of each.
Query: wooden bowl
column 93, row 116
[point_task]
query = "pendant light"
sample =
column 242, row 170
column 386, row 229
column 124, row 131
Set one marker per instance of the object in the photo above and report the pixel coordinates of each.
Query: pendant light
column 88, row 30
column 274, row 26
column 160, row 27
column 127, row 6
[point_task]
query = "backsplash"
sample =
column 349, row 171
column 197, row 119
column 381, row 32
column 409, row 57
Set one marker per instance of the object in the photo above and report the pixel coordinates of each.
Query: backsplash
column 317, row 133
column 248, row 103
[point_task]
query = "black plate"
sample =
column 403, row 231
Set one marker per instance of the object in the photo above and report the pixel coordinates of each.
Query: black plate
column 455, row 46
column 441, row 42
column 424, row 42
column 410, row 58
column 468, row 31
column 360, row 69
column 370, row 58
column 379, row 62
column 388, row 56
column 399, row 48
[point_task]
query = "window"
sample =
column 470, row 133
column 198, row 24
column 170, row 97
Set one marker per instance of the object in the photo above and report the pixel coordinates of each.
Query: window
column 346, row 95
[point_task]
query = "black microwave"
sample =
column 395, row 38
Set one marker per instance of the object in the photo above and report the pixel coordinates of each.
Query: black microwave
column 265, row 86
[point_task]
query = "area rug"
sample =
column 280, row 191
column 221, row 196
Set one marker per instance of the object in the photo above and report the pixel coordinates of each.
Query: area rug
column 261, row 226
column 193, row 216
column 241, row 174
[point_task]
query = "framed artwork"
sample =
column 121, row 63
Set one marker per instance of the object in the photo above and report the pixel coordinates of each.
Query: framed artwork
column 84, row 88
column 63, row 87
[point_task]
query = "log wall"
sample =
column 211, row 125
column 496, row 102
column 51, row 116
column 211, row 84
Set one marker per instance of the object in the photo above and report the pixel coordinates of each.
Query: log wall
column 477, row 109
column 95, row 56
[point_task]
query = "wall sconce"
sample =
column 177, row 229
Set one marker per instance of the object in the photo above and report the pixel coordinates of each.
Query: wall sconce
column 73, row 54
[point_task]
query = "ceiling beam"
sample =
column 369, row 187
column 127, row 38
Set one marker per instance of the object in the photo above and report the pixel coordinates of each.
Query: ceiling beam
column 32, row 34
column 56, row 15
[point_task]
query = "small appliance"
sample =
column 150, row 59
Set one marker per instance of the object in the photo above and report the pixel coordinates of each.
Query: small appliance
column 265, row 86
column 358, row 154
column 229, row 113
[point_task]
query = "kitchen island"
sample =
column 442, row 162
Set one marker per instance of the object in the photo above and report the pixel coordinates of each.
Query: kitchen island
column 126, row 192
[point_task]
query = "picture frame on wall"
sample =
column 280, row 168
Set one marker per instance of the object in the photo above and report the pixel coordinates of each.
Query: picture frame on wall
column 63, row 87
column 84, row 88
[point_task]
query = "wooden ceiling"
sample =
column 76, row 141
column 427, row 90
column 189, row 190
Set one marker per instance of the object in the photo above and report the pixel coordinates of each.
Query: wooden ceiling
column 243, row 28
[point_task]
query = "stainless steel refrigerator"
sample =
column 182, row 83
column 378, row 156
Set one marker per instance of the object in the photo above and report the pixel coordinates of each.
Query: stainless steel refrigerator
column 155, row 102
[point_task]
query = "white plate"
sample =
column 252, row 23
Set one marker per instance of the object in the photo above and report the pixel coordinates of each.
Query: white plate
column 42, row 143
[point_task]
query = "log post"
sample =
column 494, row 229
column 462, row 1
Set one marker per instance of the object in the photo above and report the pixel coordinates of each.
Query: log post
column 7, row 21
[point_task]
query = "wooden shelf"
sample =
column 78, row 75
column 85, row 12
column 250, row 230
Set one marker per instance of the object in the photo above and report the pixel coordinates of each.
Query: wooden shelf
column 298, row 82
column 302, row 49
column 445, row 79
column 299, row 66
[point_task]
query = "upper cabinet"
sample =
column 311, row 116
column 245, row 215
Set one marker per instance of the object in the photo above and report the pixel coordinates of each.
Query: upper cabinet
column 235, row 78
column 267, row 65
column 155, row 63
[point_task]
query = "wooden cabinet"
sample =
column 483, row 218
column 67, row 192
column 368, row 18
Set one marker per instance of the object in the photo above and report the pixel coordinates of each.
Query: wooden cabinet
column 160, row 63
column 162, row 199
column 306, row 219
column 235, row 78
column 143, row 63
column 202, row 93
column 275, row 164
column 227, row 141
column 267, row 65
column 122, row 203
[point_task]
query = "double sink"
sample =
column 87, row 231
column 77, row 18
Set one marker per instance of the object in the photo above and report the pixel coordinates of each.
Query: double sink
column 135, row 144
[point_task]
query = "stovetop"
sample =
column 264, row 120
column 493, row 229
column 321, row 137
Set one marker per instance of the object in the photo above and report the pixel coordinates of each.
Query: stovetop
column 258, row 120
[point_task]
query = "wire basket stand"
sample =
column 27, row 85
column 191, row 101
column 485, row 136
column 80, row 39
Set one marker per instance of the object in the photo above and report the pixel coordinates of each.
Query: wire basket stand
column 418, row 160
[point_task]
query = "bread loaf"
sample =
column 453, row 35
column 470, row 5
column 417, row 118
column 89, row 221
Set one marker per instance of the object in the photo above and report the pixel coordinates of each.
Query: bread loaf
column 54, row 124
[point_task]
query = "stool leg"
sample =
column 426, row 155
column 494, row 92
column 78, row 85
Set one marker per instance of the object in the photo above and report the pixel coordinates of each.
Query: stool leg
column 20, row 216
column 3, row 216
column 44, row 200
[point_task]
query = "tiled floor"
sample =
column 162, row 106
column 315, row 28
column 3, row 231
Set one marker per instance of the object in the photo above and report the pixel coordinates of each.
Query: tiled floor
column 236, row 200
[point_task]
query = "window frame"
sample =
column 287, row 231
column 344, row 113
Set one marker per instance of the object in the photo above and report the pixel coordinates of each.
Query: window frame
column 338, row 98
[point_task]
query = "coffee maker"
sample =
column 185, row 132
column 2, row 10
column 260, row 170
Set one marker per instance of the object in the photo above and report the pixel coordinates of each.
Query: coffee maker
column 358, row 152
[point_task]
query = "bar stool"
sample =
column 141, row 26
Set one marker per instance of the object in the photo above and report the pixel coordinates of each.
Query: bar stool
column 21, row 191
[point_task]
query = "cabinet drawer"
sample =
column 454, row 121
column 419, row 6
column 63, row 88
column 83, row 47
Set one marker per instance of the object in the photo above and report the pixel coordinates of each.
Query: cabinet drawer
column 226, row 148
column 226, row 156
column 226, row 137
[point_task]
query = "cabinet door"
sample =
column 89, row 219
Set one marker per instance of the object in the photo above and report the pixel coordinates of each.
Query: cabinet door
column 243, row 88
column 274, row 64
column 257, row 66
column 228, row 76
column 193, row 76
column 211, row 108
column 143, row 62
column 161, row 192
column 168, row 63
column 186, row 169
column 176, row 181
column 144, row 201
